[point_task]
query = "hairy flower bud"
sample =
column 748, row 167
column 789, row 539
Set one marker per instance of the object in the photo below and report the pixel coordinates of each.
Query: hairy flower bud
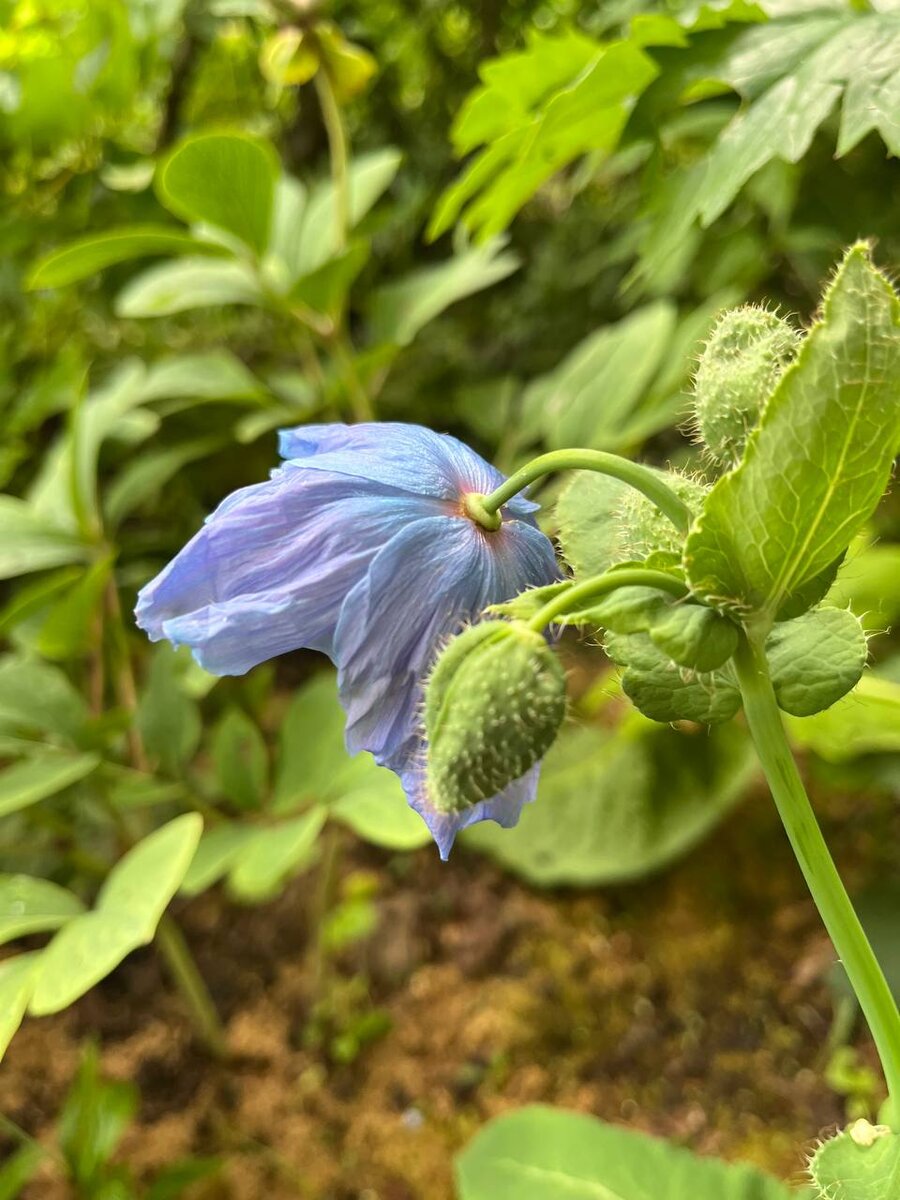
column 741, row 364
column 493, row 706
column 644, row 530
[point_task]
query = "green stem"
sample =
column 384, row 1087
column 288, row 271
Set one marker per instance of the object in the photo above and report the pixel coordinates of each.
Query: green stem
column 822, row 878
column 601, row 585
column 640, row 477
column 174, row 949
column 337, row 151
column 359, row 397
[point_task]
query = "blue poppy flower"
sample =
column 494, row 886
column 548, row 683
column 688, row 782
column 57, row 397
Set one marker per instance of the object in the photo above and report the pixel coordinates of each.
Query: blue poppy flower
column 359, row 546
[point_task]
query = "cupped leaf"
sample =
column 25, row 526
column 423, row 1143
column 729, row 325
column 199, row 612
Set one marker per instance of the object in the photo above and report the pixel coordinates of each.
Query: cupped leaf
column 225, row 179
column 818, row 463
column 30, row 905
column 188, row 283
column 816, row 659
column 539, row 1152
column 665, row 691
column 694, row 636
column 861, row 1163
column 93, row 253
column 128, row 909
column 867, row 721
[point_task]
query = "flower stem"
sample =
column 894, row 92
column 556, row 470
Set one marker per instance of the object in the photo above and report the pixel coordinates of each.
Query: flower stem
column 601, row 585
column 337, row 151
column 638, row 476
column 822, row 878
column 172, row 946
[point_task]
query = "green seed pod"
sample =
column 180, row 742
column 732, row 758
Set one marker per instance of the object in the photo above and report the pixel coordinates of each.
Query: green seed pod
column 644, row 530
column 695, row 637
column 493, row 707
column 739, row 368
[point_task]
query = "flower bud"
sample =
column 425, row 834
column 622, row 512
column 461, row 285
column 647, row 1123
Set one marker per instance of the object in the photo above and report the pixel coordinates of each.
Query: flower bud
column 644, row 530
column 493, row 706
column 739, row 368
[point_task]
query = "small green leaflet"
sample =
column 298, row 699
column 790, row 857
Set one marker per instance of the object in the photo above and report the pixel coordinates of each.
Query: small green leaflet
column 861, row 1163
column 818, row 463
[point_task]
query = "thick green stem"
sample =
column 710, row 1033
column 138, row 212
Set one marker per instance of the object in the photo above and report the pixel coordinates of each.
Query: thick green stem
column 601, row 585
column 822, row 878
column 174, row 949
column 640, row 477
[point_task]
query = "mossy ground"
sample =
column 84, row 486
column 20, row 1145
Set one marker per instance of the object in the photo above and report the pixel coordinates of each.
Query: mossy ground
column 693, row 1005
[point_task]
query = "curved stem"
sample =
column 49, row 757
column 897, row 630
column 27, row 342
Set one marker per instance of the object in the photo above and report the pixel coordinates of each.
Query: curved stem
column 601, row 585
column 638, row 476
column 337, row 152
column 822, row 878
column 174, row 949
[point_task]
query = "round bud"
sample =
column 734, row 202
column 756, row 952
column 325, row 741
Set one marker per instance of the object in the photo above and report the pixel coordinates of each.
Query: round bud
column 739, row 368
column 644, row 530
column 493, row 707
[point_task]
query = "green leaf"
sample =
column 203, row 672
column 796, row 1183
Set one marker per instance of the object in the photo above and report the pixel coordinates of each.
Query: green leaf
column 314, row 768
column 175, row 287
column 30, row 905
column 376, row 810
column 665, row 691
column 240, row 759
column 816, row 659
column 325, row 289
column 30, row 542
column 208, row 375
column 17, row 976
column 168, row 719
column 225, row 179
column 128, row 909
column 217, row 852
column 91, row 1124
column 272, row 854
column 400, row 309
column 91, row 254
column 539, row 1152
column 861, row 1163
column 142, row 479
column 694, row 636
column 590, row 534
column 19, row 1169
column 37, row 696
column 867, row 721
column 35, row 779
column 614, row 806
column 591, row 398
column 815, row 468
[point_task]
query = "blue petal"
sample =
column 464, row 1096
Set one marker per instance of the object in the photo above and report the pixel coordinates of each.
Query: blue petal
column 504, row 808
column 431, row 579
column 271, row 567
column 409, row 457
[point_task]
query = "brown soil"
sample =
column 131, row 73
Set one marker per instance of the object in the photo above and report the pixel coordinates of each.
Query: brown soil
column 692, row 1005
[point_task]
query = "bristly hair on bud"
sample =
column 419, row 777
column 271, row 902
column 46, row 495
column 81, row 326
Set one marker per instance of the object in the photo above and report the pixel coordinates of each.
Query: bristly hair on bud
column 644, row 530
column 741, row 364
column 493, row 707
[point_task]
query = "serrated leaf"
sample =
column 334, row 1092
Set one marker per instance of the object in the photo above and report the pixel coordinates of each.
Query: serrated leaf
column 26, row 782
column 818, row 463
column 93, row 253
column 694, row 636
column 401, row 308
column 225, row 179
column 861, row 1163
column 187, row 283
column 865, row 722
column 816, row 659
column 617, row 806
column 30, row 905
column 128, row 909
column 539, row 1152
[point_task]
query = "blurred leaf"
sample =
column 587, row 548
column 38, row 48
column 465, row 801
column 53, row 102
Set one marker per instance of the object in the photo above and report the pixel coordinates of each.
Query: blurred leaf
column 34, row 779
column 538, row 1152
column 866, row 583
column 36, row 696
column 241, row 760
column 867, row 721
column 29, row 905
column 171, row 1181
column 614, row 807
column 169, row 720
column 856, row 1165
column 127, row 911
column 289, row 57
column 325, row 289
column 313, row 768
column 376, row 810
column 68, row 628
column 219, row 848
column 187, row 283
column 29, row 542
column 274, row 853
column 17, row 976
column 398, row 310
column 92, row 253
column 93, row 1119
column 226, row 179
column 878, row 908
column 349, row 66
column 370, row 175
column 19, row 1169
column 209, row 375
column 142, row 479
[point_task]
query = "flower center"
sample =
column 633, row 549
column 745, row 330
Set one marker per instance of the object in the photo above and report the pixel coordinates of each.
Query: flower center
column 473, row 507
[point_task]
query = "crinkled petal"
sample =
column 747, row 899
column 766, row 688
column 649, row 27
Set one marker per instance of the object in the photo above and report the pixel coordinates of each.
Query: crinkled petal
column 270, row 569
column 431, row 579
column 504, row 808
column 409, row 457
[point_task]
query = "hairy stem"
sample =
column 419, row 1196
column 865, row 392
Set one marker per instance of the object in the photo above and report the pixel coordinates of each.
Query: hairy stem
column 655, row 489
column 601, row 585
column 172, row 946
column 822, row 878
